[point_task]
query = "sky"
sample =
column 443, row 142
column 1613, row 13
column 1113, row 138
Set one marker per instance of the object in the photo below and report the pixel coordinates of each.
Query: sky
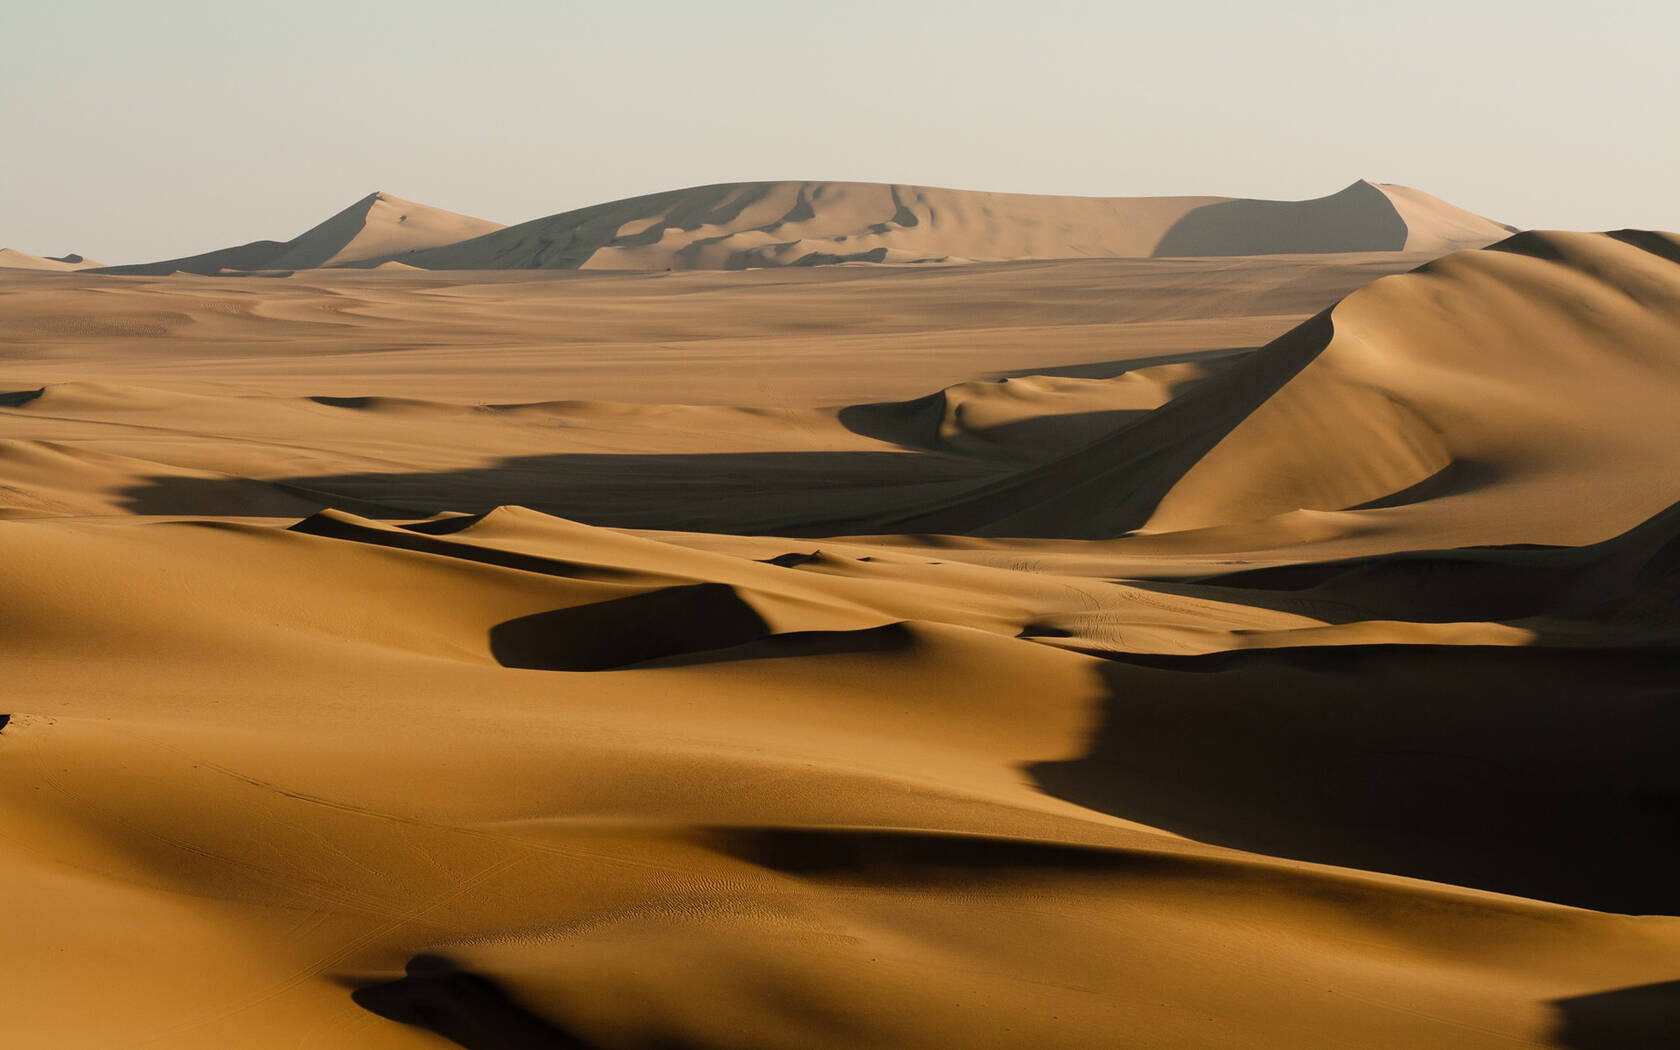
column 139, row 131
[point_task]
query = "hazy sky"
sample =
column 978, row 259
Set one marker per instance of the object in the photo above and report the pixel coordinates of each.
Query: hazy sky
column 137, row 131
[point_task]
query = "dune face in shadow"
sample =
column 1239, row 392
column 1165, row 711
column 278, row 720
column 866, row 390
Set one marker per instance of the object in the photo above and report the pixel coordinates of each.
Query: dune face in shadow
column 1358, row 219
column 1630, row 578
column 19, row 398
column 1537, row 772
column 890, row 857
column 888, row 638
column 790, row 493
column 465, row 1008
column 674, row 621
column 1645, row 1017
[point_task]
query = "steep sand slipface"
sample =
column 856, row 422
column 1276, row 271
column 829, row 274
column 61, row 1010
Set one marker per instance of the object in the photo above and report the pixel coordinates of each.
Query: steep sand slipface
column 1291, row 775
column 1546, row 364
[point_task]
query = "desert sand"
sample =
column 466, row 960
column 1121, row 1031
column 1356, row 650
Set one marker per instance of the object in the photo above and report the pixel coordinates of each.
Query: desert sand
column 431, row 645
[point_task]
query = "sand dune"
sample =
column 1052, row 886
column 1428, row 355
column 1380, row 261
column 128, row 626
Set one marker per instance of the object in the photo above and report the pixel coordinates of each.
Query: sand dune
column 1411, row 405
column 1220, row 651
column 12, row 259
column 378, row 228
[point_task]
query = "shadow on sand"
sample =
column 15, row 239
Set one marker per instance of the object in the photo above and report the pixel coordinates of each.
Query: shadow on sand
column 1545, row 773
column 1646, row 1017
column 465, row 1008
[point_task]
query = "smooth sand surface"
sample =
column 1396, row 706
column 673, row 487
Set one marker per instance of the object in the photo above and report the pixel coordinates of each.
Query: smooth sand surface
column 1236, row 652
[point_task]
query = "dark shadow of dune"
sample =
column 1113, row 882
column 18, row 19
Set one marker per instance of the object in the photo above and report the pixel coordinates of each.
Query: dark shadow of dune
column 1112, row 369
column 888, row 638
column 465, row 1008
column 1664, row 246
column 1453, row 586
column 1360, row 218
column 19, row 398
column 425, row 538
column 898, row 857
column 790, row 560
column 1645, row 1017
column 673, row 621
column 1633, row 576
column 1457, row 477
column 257, row 255
column 686, row 626
column 219, row 496
column 357, row 402
column 1544, row 773
column 792, row 493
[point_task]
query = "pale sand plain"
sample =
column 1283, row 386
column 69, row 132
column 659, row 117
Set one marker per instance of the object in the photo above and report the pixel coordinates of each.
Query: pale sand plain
column 1204, row 652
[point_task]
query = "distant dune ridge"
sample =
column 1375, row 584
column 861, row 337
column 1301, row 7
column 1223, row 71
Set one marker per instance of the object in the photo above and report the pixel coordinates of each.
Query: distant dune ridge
column 733, row 226
column 12, row 259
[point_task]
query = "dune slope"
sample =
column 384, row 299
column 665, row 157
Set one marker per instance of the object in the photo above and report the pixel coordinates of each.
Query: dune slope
column 1412, row 404
column 377, row 228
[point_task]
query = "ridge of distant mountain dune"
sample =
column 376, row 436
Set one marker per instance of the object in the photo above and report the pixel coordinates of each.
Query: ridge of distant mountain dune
column 12, row 259
column 374, row 229
column 746, row 225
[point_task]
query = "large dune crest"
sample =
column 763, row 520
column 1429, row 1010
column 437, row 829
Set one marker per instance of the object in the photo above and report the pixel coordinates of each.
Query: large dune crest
column 377, row 228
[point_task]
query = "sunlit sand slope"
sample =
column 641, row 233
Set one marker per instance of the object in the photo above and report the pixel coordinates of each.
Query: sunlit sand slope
column 378, row 228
